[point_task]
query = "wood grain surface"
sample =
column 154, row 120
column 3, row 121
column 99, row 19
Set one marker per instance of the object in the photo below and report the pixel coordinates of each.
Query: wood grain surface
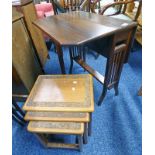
column 80, row 26
column 57, row 116
column 68, row 93
column 55, row 127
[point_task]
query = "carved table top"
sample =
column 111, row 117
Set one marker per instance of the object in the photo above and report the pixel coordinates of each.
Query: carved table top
column 67, row 93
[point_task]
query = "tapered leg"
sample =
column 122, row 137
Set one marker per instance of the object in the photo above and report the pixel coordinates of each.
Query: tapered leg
column 116, row 89
column 84, row 55
column 71, row 59
column 60, row 56
column 43, row 140
column 76, row 139
column 18, row 108
column 85, row 136
column 104, row 91
column 17, row 120
column 17, row 117
column 80, row 142
column 90, row 125
column 140, row 91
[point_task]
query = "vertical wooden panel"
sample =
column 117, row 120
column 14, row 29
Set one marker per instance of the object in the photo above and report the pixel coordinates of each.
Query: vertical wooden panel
column 23, row 56
column 30, row 15
column 29, row 12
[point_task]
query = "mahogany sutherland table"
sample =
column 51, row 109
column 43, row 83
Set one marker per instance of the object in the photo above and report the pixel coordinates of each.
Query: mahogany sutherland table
column 110, row 37
column 78, row 27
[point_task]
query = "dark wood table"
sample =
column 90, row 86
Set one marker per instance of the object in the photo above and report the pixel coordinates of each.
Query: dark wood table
column 77, row 28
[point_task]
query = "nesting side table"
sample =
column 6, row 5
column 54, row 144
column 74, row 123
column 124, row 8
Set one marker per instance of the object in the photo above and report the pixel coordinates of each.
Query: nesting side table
column 61, row 104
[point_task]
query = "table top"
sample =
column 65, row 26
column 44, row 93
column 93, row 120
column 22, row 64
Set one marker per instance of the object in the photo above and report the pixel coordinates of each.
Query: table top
column 67, row 93
column 78, row 27
column 55, row 127
column 57, row 116
column 21, row 2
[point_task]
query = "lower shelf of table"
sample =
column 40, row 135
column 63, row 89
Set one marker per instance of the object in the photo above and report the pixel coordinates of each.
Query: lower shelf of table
column 49, row 127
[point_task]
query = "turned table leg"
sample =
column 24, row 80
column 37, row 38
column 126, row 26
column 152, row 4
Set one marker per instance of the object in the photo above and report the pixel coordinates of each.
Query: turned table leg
column 60, row 56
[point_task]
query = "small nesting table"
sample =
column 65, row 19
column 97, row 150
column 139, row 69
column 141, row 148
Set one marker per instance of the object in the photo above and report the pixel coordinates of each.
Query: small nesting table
column 42, row 128
column 61, row 104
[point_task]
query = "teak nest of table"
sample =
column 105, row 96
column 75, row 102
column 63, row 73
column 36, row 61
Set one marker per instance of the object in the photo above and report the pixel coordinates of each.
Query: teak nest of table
column 61, row 104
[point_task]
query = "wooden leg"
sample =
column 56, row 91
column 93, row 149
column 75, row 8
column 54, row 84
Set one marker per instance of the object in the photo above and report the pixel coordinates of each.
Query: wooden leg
column 80, row 142
column 85, row 136
column 17, row 120
column 102, row 95
column 42, row 139
column 84, row 55
column 18, row 108
column 71, row 59
column 90, row 125
column 14, row 112
column 140, row 92
column 116, row 89
column 76, row 139
column 60, row 56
